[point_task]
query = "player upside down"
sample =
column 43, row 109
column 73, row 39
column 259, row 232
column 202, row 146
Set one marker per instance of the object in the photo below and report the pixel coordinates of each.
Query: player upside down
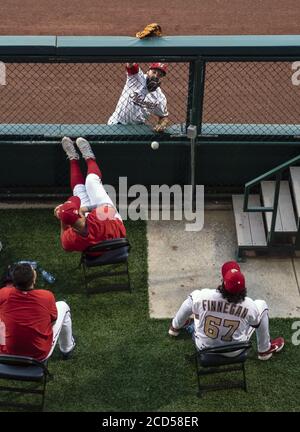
column 89, row 216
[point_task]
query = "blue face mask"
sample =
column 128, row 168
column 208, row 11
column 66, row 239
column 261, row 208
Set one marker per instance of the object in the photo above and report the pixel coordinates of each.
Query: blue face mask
column 152, row 83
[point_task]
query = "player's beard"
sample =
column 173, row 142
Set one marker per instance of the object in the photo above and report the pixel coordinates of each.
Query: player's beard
column 152, row 84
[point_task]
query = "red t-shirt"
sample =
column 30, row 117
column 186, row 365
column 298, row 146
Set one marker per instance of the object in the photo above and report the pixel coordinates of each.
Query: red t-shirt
column 97, row 231
column 28, row 317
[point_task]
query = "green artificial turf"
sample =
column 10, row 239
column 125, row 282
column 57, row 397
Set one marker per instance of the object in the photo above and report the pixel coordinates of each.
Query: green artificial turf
column 125, row 361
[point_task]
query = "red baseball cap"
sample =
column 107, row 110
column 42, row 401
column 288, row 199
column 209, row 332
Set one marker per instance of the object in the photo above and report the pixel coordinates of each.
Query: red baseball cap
column 68, row 211
column 234, row 281
column 160, row 66
column 230, row 265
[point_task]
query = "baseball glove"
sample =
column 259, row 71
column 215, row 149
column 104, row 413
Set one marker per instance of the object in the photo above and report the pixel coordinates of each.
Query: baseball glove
column 150, row 30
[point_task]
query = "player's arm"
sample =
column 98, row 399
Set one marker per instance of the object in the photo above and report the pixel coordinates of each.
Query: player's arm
column 162, row 123
column 53, row 310
column 132, row 68
column 183, row 314
column 85, row 209
column 255, row 314
column 63, row 227
column 68, row 239
column 56, row 210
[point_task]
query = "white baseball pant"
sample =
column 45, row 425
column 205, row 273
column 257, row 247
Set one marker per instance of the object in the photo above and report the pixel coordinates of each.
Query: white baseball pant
column 93, row 193
column 62, row 329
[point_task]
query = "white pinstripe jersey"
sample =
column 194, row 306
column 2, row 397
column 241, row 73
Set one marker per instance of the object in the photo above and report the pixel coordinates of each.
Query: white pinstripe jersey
column 219, row 322
column 136, row 103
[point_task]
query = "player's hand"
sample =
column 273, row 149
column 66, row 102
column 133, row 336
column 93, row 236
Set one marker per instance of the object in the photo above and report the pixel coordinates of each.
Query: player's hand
column 82, row 211
column 56, row 210
column 161, row 124
column 159, row 127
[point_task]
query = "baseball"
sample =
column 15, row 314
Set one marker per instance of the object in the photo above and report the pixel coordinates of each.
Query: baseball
column 154, row 145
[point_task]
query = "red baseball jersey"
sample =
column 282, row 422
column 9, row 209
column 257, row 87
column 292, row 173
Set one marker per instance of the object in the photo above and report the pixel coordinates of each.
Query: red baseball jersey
column 28, row 317
column 97, row 231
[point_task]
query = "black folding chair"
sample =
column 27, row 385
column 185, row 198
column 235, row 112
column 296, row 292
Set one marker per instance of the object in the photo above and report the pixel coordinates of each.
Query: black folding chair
column 24, row 370
column 114, row 257
column 222, row 359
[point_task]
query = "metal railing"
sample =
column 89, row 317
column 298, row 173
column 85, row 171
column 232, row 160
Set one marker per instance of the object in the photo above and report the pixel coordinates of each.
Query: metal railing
column 234, row 89
column 277, row 171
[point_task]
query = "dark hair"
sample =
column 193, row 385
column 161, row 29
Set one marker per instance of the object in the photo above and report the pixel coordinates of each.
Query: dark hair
column 23, row 276
column 232, row 298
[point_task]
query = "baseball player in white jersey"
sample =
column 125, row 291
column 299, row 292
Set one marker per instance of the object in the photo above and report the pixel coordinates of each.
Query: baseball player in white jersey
column 141, row 97
column 226, row 315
